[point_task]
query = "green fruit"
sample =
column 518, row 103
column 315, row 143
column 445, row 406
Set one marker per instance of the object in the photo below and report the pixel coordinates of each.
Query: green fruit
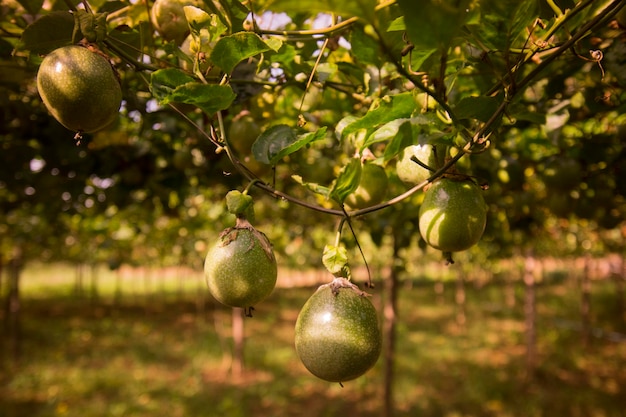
column 453, row 215
column 168, row 17
column 243, row 132
column 372, row 187
column 79, row 88
column 409, row 171
column 337, row 334
column 240, row 268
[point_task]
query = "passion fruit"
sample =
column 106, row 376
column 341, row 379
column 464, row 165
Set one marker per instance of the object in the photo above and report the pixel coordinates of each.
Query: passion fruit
column 168, row 17
column 410, row 172
column 240, row 268
column 453, row 215
column 337, row 333
column 79, row 88
column 372, row 187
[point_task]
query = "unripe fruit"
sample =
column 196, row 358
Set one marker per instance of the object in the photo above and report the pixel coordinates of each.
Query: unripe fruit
column 337, row 334
column 243, row 132
column 168, row 17
column 80, row 88
column 409, row 171
column 240, row 268
column 372, row 187
column 453, row 215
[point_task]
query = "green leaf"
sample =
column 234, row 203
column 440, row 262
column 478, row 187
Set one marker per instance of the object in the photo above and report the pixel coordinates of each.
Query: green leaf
column 435, row 23
column 522, row 113
column 173, row 85
column 164, row 82
column 404, row 137
column 385, row 132
column 48, row 33
column 203, row 26
column 279, row 141
column 93, row 27
column 239, row 204
column 271, row 142
column 479, row 108
column 365, row 49
column 347, row 181
column 397, row 25
column 335, row 259
column 383, row 110
column 127, row 40
column 232, row 13
column 31, row 6
column 301, row 141
column 421, row 57
column 210, row 98
column 231, row 50
column 503, row 23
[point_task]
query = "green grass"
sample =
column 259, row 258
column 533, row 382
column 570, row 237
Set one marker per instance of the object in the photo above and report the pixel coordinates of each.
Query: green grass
column 163, row 348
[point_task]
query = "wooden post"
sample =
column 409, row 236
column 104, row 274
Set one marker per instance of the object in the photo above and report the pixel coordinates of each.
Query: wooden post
column 389, row 328
column 79, row 286
column 93, row 291
column 238, row 342
column 510, row 282
column 585, row 301
column 459, row 298
column 531, row 266
column 13, row 305
column 439, row 291
column 619, row 277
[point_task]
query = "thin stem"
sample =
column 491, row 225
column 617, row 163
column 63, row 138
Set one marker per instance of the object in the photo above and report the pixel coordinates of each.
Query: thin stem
column 339, row 229
column 313, row 70
column 557, row 10
column 70, row 5
column 330, row 30
column 250, row 185
column 142, row 66
column 608, row 12
column 539, row 45
column 416, row 82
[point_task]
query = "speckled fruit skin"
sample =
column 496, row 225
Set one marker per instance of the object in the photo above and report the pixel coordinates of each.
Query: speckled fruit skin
column 79, row 88
column 453, row 215
column 337, row 335
column 372, row 187
column 238, row 270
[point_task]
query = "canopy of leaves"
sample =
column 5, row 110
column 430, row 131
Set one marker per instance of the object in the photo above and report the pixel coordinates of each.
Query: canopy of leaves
column 503, row 87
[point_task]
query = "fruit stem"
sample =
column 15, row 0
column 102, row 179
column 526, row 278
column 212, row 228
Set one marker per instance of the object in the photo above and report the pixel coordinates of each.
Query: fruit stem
column 126, row 57
column 339, row 282
column 447, row 256
column 339, row 229
column 346, row 219
column 250, row 185
column 422, row 164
